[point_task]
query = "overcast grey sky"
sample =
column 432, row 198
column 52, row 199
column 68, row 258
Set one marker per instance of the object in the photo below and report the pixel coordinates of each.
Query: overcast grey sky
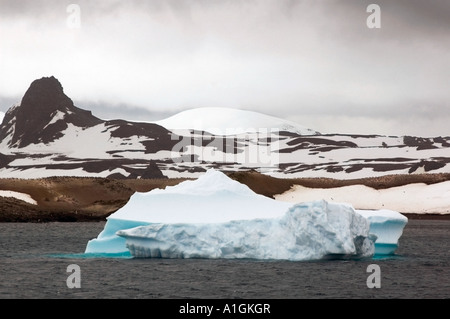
column 313, row 62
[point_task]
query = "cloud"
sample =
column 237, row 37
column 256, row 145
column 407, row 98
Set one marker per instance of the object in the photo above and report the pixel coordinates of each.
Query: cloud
column 286, row 58
column 110, row 111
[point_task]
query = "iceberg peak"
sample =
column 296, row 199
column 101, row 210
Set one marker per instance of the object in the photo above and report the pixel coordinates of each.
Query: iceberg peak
column 212, row 182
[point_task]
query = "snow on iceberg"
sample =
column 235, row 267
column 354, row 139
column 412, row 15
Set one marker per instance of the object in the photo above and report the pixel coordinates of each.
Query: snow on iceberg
column 307, row 231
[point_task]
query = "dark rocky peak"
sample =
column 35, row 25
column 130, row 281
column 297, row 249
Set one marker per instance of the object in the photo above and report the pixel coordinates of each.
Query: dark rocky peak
column 43, row 114
column 44, row 95
column 43, row 98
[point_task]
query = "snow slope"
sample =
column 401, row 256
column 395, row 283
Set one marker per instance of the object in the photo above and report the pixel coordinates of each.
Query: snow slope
column 199, row 206
column 2, row 115
column 229, row 121
column 416, row 198
column 99, row 150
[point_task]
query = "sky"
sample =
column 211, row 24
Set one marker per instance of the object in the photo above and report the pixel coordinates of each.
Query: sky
column 319, row 63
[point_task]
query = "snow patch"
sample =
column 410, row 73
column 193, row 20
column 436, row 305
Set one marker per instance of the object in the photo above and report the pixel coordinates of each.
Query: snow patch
column 56, row 116
column 21, row 196
column 418, row 198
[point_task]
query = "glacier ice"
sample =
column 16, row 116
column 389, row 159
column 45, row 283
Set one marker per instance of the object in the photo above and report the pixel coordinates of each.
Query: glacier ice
column 223, row 210
column 307, row 231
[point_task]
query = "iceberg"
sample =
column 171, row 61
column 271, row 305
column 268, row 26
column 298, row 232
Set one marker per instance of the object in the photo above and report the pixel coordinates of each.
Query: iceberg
column 217, row 217
column 212, row 198
column 388, row 226
column 307, row 231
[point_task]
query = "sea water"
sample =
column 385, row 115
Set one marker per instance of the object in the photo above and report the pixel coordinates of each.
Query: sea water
column 35, row 260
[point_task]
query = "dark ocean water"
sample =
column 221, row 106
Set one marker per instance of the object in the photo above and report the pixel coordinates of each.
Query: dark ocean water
column 34, row 260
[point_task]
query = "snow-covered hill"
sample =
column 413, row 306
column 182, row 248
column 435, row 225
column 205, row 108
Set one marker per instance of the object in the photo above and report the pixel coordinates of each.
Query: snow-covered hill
column 47, row 135
column 2, row 115
column 229, row 121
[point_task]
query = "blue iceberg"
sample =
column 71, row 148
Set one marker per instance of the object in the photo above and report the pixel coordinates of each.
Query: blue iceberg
column 217, row 217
